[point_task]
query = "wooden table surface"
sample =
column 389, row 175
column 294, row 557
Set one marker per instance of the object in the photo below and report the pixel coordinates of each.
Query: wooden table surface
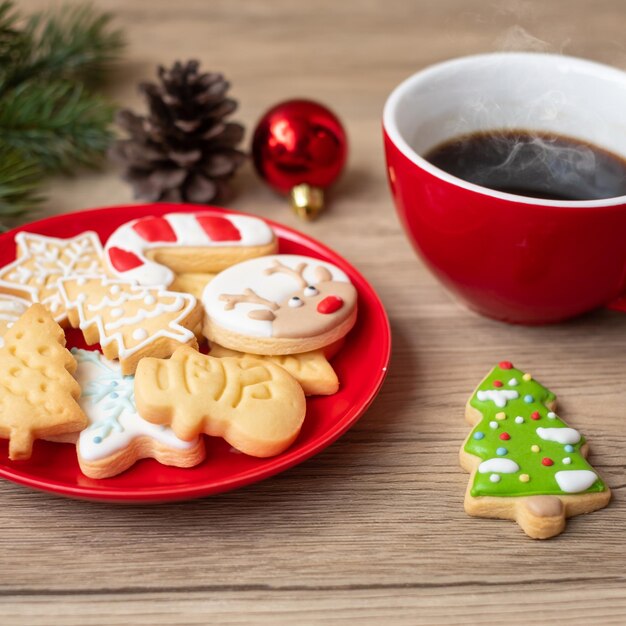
column 373, row 529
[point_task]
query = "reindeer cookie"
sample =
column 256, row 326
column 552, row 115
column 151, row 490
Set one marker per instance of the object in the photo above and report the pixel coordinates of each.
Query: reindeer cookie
column 256, row 406
column 151, row 250
column 279, row 304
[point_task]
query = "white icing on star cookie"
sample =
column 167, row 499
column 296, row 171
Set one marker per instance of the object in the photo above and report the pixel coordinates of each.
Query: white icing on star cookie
column 42, row 260
column 125, row 250
column 108, row 401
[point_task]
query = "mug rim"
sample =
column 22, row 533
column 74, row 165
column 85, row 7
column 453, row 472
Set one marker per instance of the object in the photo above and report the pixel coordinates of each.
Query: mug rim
column 406, row 86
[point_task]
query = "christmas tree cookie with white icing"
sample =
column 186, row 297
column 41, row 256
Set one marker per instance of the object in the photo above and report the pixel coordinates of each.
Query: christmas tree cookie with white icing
column 279, row 304
column 152, row 250
column 526, row 464
column 117, row 436
column 42, row 260
column 128, row 320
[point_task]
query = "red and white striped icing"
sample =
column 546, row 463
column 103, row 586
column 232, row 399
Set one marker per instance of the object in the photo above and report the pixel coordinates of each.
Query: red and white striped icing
column 125, row 250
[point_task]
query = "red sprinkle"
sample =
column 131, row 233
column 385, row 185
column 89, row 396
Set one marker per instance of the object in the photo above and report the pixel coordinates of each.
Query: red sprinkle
column 535, row 415
column 505, row 436
column 505, row 365
column 497, row 383
column 329, row 304
column 546, row 461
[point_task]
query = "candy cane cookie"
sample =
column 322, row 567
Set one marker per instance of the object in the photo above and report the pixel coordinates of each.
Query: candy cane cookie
column 152, row 250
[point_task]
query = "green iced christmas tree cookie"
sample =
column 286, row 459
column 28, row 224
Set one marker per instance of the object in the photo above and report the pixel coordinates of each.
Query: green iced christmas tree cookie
column 527, row 464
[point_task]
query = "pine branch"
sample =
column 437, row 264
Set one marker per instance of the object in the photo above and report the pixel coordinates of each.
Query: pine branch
column 13, row 43
column 75, row 43
column 19, row 179
column 58, row 124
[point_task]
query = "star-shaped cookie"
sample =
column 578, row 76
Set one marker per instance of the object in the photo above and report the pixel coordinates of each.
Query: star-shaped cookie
column 42, row 260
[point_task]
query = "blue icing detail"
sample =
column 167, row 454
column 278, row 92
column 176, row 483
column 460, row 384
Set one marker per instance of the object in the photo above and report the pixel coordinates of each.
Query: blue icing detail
column 569, row 448
column 102, row 391
column 478, row 435
column 501, row 451
column 528, row 399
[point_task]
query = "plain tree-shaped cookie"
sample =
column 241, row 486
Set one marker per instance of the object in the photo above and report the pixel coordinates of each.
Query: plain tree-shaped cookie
column 254, row 405
column 37, row 390
column 526, row 463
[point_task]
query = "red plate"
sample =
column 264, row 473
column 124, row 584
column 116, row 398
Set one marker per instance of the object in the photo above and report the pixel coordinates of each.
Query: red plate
column 361, row 366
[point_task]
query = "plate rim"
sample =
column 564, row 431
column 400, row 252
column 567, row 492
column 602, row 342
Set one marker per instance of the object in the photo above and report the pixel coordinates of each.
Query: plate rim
column 284, row 461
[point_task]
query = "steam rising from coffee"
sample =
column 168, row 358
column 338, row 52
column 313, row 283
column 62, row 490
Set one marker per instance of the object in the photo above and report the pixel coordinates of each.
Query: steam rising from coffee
column 507, row 144
column 533, row 164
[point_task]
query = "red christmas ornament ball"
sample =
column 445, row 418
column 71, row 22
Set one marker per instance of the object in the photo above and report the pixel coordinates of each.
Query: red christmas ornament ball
column 299, row 142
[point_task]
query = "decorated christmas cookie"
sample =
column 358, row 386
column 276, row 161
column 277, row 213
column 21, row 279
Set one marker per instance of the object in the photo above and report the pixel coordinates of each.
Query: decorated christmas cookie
column 11, row 309
column 41, row 261
column 117, row 436
column 128, row 320
column 37, row 391
column 255, row 405
column 526, row 463
column 280, row 304
column 151, row 250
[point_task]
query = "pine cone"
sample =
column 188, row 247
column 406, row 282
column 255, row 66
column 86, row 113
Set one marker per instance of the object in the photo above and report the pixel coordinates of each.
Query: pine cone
column 183, row 150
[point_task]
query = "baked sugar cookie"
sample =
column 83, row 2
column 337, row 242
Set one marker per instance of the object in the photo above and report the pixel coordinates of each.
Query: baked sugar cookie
column 117, row 437
column 128, row 320
column 152, row 250
column 42, row 260
column 255, row 405
column 279, row 304
column 311, row 369
column 526, row 463
column 37, row 390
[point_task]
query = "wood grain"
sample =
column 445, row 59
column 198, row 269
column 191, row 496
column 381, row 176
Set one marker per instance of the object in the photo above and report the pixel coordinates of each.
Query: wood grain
column 373, row 529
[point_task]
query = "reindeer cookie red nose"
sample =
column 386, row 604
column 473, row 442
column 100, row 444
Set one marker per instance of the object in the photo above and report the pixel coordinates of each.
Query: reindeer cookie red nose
column 329, row 304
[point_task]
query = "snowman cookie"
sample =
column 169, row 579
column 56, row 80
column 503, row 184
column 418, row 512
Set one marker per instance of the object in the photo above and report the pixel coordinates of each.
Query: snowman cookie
column 152, row 250
column 279, row 304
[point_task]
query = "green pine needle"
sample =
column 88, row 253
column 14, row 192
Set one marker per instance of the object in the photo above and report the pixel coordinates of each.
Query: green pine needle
column 19, row 178
column 75, row 43
column 49, row 120
column 58, row 124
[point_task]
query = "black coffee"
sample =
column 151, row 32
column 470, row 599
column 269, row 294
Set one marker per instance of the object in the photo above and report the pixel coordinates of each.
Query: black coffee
column 536, row 164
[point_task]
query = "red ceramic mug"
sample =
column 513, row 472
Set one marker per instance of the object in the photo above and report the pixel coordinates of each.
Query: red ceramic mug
column 509, row 257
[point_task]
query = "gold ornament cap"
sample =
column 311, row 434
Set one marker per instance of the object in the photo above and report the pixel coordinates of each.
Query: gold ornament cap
column 307, row 201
